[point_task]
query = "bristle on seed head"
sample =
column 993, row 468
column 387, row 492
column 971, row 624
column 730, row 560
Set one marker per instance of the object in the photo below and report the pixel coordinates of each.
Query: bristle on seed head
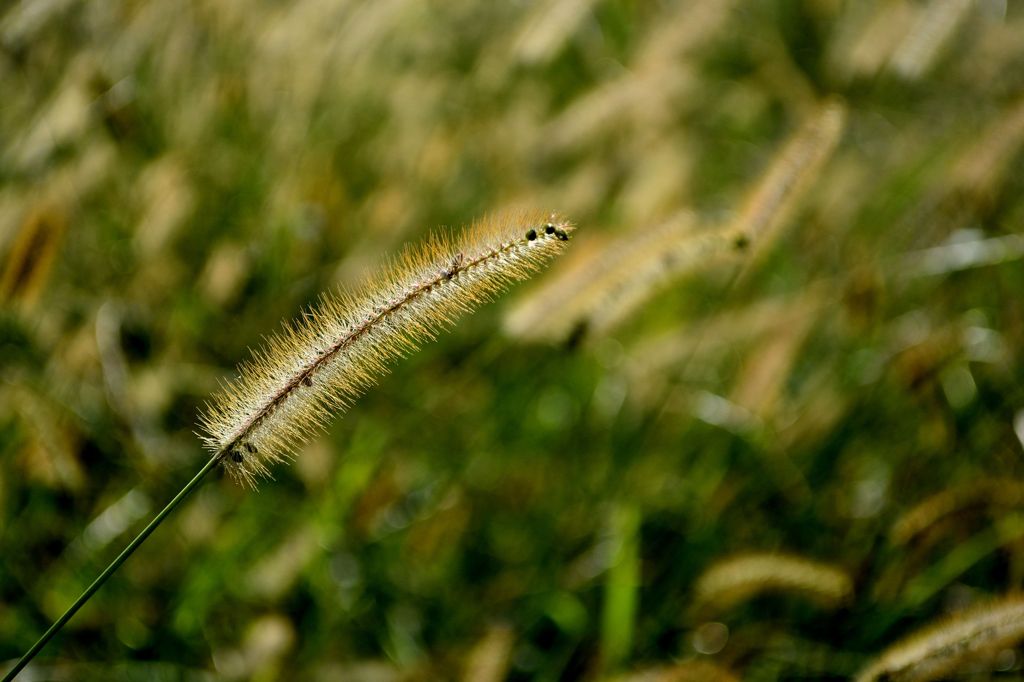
column 318, row 364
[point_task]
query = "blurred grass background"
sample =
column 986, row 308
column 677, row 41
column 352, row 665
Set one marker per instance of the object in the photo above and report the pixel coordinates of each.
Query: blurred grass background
column 176, row 178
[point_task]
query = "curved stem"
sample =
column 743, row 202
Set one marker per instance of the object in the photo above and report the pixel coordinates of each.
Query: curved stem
column 109, row 570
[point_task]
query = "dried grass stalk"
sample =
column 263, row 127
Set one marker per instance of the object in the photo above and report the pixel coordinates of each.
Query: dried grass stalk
column 777, row 195
column 737, row 579
column 981, row 494
column 600, row 289
column 27, row 267
column 943, row 648
column 936, row 25
column 597, row 293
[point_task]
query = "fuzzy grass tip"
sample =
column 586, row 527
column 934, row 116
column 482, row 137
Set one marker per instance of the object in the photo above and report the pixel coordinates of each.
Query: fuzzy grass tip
column 318, row 364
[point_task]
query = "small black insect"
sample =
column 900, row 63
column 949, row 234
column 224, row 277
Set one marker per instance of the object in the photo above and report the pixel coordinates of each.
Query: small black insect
column 741, row 242
column 307, row 380
column 562, row 235
column 453, row 269
column 549, row 228
column 531, row 235
column 236, row 456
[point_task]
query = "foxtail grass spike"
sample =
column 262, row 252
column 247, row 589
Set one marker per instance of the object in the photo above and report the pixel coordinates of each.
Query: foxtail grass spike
column 956, row 643
column 598, row 293
column 777, row 194
column 982, row 494
column 742, row 577
column 316, row 366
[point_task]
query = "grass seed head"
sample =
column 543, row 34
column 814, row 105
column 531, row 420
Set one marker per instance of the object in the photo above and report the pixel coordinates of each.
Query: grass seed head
column 318, row 364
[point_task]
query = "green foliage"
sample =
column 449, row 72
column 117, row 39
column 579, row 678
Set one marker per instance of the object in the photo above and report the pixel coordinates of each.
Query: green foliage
column 176, row 179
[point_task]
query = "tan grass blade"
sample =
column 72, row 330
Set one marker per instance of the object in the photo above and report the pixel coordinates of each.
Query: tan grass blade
column 982, row 169
column 659, row 357
column 868, row 35
column 489, row 659
column 24, row 272
column 649, row 94
column 934, row 28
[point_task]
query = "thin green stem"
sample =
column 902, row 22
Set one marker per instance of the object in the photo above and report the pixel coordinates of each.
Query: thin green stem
column 109, row 570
